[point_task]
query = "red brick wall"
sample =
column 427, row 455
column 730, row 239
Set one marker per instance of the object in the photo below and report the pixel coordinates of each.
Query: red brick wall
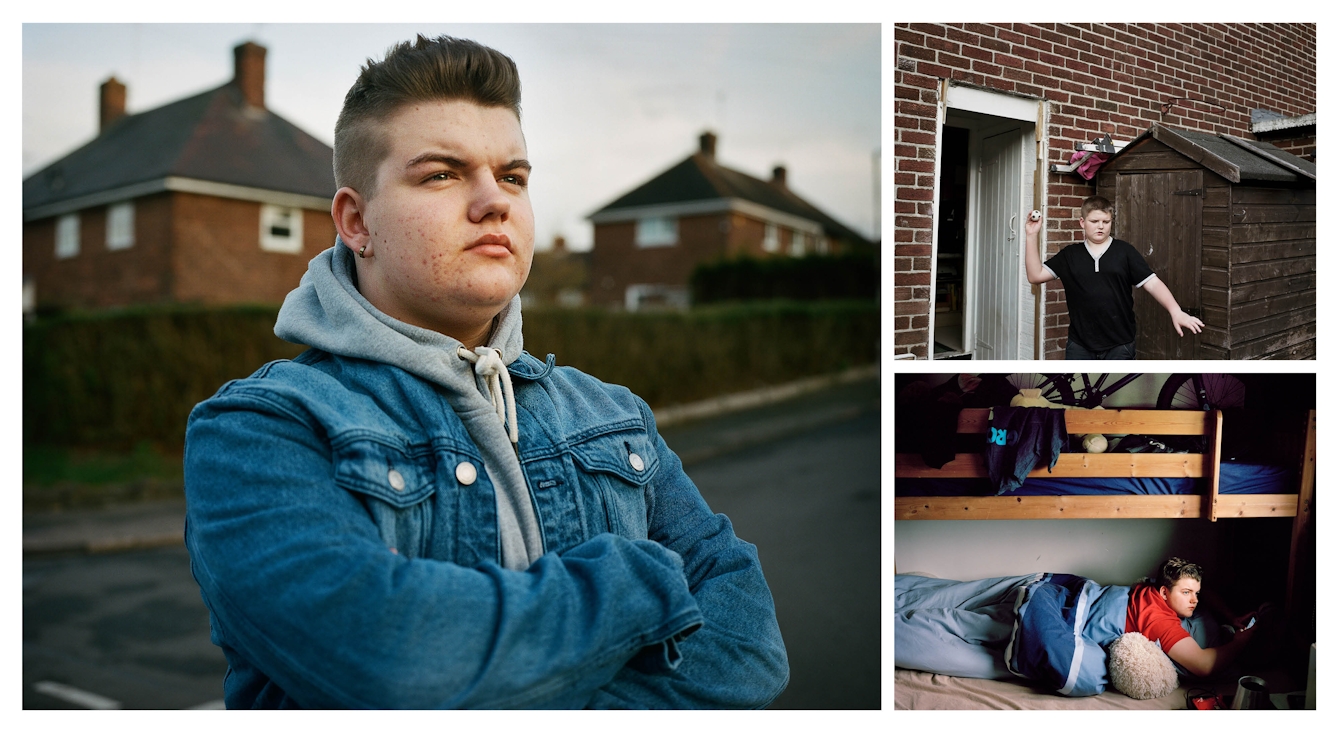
column 1099, row 78
column 218, row 258
column 98, row 277
column 617, row 262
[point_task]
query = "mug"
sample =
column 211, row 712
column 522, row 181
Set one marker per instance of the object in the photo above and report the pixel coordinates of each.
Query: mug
column 1251, row 694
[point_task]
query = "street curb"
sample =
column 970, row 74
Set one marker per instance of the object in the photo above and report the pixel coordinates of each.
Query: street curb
column 714, row 406
column 119, row 543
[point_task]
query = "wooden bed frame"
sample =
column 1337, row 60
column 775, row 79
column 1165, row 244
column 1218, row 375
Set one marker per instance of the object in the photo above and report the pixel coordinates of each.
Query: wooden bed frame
column 1210, row 505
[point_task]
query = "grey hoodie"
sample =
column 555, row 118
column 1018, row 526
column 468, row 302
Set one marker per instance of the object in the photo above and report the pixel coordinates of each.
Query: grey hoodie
column 327, row 312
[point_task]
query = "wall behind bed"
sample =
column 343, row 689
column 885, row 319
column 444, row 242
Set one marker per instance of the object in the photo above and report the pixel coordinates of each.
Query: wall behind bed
column 1245, row 559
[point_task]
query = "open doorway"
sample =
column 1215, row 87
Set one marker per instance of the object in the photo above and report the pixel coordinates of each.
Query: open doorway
column 984, row 308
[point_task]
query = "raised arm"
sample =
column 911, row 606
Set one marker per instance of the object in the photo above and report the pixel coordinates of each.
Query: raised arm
column 302, row 585
column 737, row 659
column 1179, row 319
column 1036, row 272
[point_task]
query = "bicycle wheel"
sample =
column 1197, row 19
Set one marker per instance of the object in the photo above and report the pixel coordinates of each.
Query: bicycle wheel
column 1054, row 387
column 1219, row 391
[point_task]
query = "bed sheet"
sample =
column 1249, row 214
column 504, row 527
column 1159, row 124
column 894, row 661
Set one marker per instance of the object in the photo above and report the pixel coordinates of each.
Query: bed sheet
column 916, row 690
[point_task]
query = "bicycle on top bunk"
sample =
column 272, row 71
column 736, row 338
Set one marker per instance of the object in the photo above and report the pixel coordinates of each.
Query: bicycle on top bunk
column 1179, row 392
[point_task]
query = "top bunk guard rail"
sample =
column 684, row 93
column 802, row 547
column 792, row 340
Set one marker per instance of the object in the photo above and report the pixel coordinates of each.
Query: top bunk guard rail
column 1206, row 465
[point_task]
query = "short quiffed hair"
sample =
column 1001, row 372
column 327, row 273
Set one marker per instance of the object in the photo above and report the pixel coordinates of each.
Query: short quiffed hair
column 1176, row 569
column 441, row 68
column 1096, row 203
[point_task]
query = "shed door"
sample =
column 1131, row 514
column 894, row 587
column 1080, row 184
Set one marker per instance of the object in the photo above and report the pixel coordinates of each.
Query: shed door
column 1161, row 215
column 998, row 249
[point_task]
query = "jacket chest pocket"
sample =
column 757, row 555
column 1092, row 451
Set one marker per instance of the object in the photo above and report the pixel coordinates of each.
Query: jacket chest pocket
column 616, row 470
column 396, row 486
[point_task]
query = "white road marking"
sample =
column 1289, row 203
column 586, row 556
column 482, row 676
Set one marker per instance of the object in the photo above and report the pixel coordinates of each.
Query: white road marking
column 211, row 705
column 76, row 696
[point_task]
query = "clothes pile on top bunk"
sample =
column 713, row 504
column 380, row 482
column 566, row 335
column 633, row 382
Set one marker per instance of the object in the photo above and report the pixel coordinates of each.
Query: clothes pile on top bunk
column 1021, row 437
column 926, row 416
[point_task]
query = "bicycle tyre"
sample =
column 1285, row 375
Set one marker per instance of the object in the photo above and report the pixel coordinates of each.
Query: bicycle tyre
column 1222, row 391
column 1054, row 387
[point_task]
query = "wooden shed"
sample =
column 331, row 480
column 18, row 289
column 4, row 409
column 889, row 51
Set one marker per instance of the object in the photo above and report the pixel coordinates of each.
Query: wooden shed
column 1229, row 225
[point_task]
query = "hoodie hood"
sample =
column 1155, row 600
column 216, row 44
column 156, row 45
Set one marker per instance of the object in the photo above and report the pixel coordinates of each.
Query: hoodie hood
column 327, row 312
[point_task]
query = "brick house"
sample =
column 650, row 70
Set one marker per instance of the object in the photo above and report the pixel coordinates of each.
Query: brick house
column 648, row 240
column 987, row 119
column 210, row 199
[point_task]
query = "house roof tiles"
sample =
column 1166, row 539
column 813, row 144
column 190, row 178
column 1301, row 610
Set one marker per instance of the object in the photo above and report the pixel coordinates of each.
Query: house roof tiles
column 212, row 136
column 700, row 178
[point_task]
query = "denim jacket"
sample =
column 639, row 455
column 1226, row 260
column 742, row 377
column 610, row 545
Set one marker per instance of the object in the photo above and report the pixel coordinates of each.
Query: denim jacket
column 343, row 533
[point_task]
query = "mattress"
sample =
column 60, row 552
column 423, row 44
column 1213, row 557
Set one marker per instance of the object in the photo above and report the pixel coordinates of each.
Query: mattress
column 915, row 690
column 1236, row 478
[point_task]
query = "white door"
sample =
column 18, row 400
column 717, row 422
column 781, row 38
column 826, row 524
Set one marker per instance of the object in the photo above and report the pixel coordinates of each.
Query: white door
column 998, row 226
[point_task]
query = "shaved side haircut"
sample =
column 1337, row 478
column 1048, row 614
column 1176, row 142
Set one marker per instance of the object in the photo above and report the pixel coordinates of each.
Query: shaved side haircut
column 429, row 69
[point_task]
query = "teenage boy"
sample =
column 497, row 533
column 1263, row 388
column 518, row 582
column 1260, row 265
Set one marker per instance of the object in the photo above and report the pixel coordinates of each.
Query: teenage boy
column 415, row 513
column 1164, row 610
column 1099, row 275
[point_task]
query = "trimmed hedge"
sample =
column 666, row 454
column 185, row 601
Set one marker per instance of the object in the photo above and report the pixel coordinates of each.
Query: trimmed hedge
column 115, row 379
column 847, row 276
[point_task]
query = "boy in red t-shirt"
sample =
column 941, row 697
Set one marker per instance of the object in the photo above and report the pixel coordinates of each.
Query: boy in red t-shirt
column 1155, row 612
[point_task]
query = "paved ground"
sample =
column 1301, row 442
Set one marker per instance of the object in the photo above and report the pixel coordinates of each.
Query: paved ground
column 110, row 607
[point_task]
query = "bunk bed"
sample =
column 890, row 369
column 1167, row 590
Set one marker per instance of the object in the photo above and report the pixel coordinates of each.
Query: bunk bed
column 1102, row 472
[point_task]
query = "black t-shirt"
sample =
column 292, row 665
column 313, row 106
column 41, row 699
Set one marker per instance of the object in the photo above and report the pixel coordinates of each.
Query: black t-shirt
column 1100, row 293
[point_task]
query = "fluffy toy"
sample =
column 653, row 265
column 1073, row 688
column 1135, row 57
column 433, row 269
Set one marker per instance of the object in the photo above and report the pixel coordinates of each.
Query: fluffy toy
column 1095, row 443
column 1139, row 668
column 1033, row 398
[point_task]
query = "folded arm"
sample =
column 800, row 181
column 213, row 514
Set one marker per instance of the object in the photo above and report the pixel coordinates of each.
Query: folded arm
column 299, row 583
column 737, row 659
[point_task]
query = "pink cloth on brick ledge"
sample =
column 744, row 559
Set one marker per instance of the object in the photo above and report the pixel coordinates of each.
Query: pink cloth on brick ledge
column 1090, row 166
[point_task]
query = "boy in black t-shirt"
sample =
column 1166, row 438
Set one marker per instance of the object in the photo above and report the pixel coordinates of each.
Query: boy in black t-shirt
column 1099, row 275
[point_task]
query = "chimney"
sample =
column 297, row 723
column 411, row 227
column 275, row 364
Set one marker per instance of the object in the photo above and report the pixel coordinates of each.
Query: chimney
column 249, row 73
column 708, row 144
column 778, row 176
column 111, row 105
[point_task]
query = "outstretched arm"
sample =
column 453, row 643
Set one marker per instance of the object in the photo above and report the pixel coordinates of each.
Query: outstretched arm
column 1036, row 272
column 1207, row 662
column 1179, row 319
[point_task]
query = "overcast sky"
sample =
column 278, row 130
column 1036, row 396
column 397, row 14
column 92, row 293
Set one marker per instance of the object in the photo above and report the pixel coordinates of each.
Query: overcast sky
column 604, row 107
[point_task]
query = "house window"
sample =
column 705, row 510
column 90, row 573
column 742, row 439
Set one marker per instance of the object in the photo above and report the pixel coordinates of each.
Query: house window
column 824, row 245
column 771, row 239
column 121, row 225
column 798, row 241
column 67, row 236
column 280, row 229
column 656, row 231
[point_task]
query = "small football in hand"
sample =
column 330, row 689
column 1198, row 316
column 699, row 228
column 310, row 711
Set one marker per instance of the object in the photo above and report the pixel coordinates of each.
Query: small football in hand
column 1035, row 215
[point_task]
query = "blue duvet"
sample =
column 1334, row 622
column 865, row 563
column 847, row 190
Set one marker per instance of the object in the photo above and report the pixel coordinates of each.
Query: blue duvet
column 1051, row 629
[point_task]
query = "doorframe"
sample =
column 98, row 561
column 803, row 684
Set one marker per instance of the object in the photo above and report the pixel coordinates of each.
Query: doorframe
column 997, row 104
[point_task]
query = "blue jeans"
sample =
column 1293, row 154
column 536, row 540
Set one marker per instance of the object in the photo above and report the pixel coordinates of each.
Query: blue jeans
column 1076, row 352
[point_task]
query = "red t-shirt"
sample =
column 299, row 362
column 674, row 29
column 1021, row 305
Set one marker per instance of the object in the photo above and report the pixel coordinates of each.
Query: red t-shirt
column 1150, row 616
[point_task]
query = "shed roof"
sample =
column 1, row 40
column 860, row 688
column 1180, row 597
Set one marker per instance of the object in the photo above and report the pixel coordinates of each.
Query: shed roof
column 212, row 136
column 700, row 178
column 1235, row 159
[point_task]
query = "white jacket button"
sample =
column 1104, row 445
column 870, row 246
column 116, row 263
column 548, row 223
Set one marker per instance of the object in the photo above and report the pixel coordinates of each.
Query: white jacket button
column 465, row 473
column 396, row 480
column 637, row 463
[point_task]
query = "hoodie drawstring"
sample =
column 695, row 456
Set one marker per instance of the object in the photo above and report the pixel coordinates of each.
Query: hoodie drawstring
column 488, row 364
